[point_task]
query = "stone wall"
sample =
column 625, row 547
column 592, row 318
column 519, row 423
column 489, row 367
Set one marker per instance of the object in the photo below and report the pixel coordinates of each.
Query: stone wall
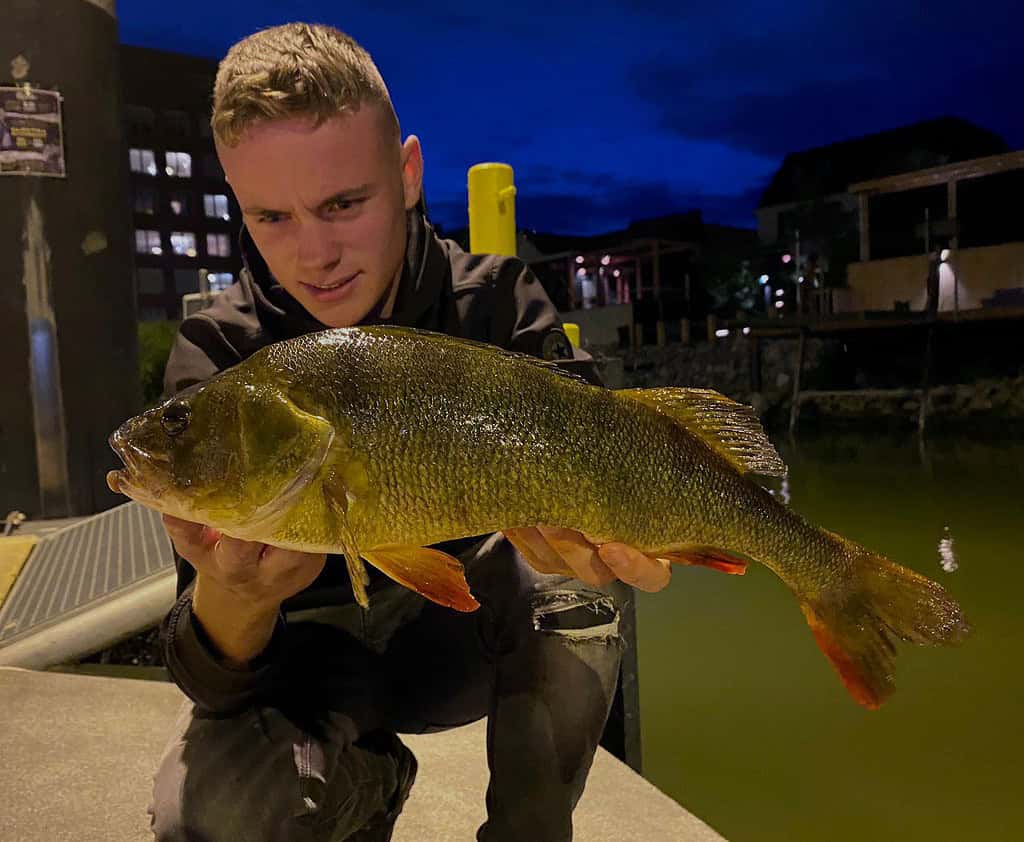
column 728, row 367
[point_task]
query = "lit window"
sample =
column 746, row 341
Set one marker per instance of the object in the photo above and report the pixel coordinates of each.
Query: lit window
column 145, row 200
column 180, row 203
column 148, row 242
column 183, row 243
column 219, row 281
column 218, row 245
column 216, row 207
column 142, row 161
column 179, row 164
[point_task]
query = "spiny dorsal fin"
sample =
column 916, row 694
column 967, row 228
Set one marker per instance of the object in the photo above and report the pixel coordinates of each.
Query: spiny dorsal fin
column 443, row 338
column 729, row 428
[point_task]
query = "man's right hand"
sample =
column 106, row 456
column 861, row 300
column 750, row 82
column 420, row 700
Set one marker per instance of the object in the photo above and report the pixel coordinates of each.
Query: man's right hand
column 240, row 585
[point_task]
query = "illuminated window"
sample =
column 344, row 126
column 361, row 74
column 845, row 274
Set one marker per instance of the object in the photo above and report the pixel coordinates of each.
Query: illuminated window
column 179, row 164
column 220, row 281
column 145, row 200
column 142, row 161
column 218, row 245
column 148, row 242
column 180, row 203
column 183, row 243
column 216, row 206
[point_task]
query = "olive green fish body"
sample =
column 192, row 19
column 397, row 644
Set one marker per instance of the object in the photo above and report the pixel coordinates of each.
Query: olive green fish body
column 371, row 441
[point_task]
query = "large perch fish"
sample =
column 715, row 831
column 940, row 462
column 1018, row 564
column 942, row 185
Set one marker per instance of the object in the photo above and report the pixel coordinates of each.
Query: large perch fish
column 377, row 442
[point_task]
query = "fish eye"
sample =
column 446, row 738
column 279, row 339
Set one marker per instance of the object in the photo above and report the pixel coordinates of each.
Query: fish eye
column 175, row 418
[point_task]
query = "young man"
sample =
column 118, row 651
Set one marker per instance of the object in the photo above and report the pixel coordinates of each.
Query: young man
column 297, row 693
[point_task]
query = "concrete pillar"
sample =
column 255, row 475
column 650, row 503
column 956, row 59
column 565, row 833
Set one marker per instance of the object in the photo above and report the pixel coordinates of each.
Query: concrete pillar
column 864, row 224
column 68, row 333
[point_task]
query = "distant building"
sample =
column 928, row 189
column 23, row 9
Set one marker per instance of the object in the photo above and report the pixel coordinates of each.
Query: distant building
column 960, row 224
column 808, row 210
column 655, row 271
column 185, row 218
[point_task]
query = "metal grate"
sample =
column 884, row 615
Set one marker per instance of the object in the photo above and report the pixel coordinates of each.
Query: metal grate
column 83, row 563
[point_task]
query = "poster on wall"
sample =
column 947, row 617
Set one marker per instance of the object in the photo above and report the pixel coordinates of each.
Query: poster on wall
column 31, row 132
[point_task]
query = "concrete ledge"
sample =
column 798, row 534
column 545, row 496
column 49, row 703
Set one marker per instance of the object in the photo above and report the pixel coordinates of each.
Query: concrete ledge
column 77, row 754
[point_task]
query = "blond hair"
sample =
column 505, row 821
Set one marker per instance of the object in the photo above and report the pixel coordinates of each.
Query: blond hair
column 295, row 70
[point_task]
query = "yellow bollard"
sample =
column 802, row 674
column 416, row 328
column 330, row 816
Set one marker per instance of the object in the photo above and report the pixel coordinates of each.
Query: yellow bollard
column 492, row 210
column 572, row 331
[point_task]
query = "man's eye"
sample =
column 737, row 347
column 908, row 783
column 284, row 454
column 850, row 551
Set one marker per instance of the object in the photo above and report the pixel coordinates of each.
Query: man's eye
column 343, row 204
column 269, row 218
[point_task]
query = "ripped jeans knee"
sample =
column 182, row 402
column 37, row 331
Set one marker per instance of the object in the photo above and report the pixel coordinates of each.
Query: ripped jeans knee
column 576, row 615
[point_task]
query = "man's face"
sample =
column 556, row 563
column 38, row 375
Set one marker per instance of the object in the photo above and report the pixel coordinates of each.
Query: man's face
column 326, row 207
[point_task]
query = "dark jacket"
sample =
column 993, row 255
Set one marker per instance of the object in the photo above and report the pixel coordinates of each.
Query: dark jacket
column 442, row 288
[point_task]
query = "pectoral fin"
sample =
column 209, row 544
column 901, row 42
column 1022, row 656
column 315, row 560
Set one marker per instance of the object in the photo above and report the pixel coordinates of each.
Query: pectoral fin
column 434, row 574
column 713, row 557
column 356, row 569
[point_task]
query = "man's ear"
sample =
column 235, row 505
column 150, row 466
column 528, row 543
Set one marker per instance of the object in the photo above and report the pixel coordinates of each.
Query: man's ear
column 412, row 171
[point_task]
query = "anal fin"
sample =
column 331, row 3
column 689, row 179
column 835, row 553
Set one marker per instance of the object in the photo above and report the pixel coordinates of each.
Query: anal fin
column 434, row 574
column 531, row 545
column 713, row 557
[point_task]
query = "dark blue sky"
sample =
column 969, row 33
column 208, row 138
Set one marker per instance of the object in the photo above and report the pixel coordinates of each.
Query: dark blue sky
column 612, row 111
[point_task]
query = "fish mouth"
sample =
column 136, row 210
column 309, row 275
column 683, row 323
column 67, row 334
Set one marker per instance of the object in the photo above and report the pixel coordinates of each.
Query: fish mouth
column 129, row 480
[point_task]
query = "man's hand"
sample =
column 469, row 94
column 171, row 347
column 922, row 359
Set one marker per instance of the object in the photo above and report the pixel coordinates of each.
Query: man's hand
column 554, row 550
column 240, row 585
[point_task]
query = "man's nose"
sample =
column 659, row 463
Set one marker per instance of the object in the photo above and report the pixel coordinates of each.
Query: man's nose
column 317, row 249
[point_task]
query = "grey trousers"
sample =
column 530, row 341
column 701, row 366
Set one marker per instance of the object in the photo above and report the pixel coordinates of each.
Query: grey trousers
column 539, row 659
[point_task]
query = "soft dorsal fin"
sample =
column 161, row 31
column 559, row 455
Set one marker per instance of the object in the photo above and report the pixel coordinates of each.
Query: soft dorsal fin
column 729, row 428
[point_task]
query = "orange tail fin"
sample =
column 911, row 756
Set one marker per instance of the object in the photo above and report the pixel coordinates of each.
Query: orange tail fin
column 854, row 627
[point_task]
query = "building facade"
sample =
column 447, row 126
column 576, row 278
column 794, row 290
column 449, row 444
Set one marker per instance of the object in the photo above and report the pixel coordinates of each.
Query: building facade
column 185, row 219
column 809, row 222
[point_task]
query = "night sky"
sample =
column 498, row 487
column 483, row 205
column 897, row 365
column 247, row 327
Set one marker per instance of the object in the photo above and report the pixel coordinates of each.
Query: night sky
column 613, row 111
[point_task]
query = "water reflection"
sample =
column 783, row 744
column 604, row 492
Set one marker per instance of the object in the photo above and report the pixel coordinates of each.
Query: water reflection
column 736, row 697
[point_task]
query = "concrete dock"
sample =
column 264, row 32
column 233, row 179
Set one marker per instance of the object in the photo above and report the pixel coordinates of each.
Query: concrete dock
column 77, row 753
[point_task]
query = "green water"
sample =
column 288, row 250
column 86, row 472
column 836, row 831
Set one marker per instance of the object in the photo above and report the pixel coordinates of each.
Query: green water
column 744, row 721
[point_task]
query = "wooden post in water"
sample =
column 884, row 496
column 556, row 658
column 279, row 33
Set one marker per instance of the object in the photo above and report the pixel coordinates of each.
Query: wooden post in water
column 684, row 331
column 755, row 364
column 794, row 407
column 929, row 352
